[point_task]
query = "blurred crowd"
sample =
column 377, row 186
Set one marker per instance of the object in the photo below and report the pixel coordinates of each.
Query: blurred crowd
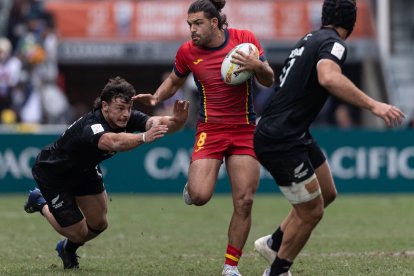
column 32, row 90
column 29, row 75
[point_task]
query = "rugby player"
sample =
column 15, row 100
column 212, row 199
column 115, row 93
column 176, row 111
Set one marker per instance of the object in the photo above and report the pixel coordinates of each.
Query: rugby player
column 283, row 143
column 226, row 119
column 71, row 194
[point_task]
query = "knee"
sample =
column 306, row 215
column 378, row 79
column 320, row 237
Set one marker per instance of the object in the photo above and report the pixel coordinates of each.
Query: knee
column 78, row 235
column 81, row 233
column 98, row 226
column 312, row 216
column 199, row 198
column 244, row 205
column 315, row 215
column 329, row 198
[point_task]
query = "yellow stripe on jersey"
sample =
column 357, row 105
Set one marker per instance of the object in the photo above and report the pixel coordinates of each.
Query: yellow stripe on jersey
column 247, row 101
column 205, row 102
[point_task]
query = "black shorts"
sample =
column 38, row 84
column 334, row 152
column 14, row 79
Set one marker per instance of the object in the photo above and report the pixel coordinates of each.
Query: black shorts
column 291, row 161
column 60, row 195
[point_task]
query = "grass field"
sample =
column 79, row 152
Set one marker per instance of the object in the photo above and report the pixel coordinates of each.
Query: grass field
column 160, row 235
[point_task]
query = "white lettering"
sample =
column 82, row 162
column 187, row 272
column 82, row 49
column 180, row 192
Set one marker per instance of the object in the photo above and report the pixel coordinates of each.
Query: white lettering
column 392, row 164
column 404, row 163
column 337, row 158
column 9, row 164
column 296, row 52
column 361, row 164
column 376, row 161
column 25, row 161
column 179, row 165
column 18, row 166
column 372, row 163
column 161, row 163
column 152, row 159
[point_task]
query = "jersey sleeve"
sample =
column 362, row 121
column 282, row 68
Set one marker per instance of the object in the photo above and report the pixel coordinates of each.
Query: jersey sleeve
column 92, row 133
column 334, row 50
column 137, row 121
column 181, row 68
column 251, row 38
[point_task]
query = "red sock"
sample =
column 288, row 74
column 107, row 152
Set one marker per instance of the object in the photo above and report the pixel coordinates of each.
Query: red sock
column 232, row 255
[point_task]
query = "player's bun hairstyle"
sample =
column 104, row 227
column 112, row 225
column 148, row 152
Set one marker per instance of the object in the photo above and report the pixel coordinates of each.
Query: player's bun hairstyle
column 115, row 88
column 339, row 13
column 211, row 8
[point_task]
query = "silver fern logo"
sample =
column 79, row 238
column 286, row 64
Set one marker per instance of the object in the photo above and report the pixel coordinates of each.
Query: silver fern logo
column 56, row 204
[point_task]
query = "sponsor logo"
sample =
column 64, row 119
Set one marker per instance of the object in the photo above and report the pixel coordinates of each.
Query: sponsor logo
column 56, row 204
column 97, row 128
column 338, row 50
column 230, row 72
column 198, row 61
column 298, row 173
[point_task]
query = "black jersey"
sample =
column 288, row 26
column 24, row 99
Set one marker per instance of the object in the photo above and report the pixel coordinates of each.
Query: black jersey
column 76, row 154
column 298, row 99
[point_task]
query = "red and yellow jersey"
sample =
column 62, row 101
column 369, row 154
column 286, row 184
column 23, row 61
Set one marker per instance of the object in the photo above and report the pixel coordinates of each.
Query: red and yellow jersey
column 219, row 102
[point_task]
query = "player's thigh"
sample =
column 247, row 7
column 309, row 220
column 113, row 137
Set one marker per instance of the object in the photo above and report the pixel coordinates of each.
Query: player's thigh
column 243, row 172
column 61, row 202
column 326, row 182
column 94, row 208
column 202, row 175
column 323, row 172
column 312, row 210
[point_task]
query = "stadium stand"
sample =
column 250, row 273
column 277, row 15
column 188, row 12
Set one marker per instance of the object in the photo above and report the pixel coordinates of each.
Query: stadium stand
column 401, row 62
column 124, row 35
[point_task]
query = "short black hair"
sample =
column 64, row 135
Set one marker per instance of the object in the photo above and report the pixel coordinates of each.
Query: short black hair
column 114, row 89
column 339, row 13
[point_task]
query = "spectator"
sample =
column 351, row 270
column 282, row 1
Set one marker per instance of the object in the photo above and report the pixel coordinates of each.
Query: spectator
column 38, row 98
column 343, row 117
column 10, row 69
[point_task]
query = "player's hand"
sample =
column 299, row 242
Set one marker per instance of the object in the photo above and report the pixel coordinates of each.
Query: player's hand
column 155, row 132
column 392, row 115
column 180, row 112
column 247, row 62
column 147, row 99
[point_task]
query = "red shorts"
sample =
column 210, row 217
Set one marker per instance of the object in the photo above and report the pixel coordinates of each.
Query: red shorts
column 221, row 140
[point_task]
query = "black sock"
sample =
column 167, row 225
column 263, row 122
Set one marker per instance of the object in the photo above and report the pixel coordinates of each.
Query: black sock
column 279, row 266
column 277, row 237
column 72, row 246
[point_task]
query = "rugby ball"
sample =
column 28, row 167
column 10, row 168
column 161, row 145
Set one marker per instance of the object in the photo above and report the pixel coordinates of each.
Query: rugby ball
column 228, row 69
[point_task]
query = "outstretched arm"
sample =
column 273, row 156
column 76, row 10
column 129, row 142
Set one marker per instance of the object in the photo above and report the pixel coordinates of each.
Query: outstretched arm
column 118, row 142
column 330, row 77
column 166, row 90
column 174, row 122
column 156, row 127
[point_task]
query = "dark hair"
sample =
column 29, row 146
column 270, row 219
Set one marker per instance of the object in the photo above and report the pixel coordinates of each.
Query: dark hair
column 211, row 8
column 115, row 88
column 339, row 13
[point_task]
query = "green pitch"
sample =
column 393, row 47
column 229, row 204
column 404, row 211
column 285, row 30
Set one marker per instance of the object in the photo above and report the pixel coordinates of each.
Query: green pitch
column 160, row 235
